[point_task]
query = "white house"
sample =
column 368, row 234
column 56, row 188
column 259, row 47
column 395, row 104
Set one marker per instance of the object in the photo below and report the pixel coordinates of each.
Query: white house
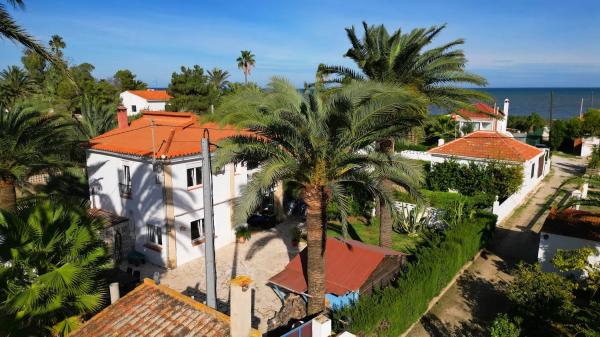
column 483, row 117
column 150, row 172
column 137, row 101
column 570, row 229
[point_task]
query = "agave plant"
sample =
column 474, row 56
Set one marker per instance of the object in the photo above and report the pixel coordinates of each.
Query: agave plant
column 412, row 218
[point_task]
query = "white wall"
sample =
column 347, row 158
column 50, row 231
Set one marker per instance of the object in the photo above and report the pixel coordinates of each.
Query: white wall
column 146, row 205
column 188, row 204
column 128, row 100
column 550, row 243
column 588, row 144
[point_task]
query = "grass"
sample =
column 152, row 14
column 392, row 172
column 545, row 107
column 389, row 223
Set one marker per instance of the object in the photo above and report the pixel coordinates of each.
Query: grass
column 369, row 233
column 564, row 154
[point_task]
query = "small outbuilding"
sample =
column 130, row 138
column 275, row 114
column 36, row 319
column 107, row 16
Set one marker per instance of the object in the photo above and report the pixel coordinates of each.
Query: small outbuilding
column 352, row 268
column 569, row 229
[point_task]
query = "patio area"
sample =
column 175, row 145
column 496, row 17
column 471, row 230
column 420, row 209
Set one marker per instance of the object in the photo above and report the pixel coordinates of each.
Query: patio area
column 264, row 255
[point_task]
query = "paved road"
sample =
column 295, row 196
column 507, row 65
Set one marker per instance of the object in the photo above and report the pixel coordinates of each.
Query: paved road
column 469, row 306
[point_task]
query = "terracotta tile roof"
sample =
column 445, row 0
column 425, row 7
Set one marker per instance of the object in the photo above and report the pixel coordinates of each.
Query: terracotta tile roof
column 156, row 310
column 348, row 265
column 109, row 219
column 488, row 145
column 152, row 95
column 479, row 111
column 176, row 134
column 574, row 223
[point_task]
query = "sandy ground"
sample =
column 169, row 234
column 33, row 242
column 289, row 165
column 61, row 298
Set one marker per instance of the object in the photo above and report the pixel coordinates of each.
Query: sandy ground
column 266, row 254
column 472, row 303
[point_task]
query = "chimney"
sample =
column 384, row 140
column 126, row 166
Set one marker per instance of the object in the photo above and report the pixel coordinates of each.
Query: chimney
column 321, row 326
column 441, row 141
column 505, row 110
column 240, row 309
column 113, row 288
column 122, row 121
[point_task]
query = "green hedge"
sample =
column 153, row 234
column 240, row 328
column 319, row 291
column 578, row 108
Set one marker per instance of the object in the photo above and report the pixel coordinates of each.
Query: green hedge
column 390, row 311
column 448, row 200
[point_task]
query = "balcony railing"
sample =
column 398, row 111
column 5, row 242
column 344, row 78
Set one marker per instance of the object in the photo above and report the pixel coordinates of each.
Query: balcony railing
column 125, row 190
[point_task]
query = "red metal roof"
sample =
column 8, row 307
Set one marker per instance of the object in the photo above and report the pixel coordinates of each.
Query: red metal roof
column 152, row 95
column 157, row 310
column 176, row 134
column 488, row 145
column 348, row 265
column 479, row 111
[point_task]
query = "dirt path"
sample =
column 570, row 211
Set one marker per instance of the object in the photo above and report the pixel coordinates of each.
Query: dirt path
column 469, row 306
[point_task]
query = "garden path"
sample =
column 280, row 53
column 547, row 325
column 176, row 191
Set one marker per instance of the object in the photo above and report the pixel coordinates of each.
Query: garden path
column 471, row 304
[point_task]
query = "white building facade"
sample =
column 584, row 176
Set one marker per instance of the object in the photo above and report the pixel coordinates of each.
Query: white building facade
column 160, row 191
column 137, row 101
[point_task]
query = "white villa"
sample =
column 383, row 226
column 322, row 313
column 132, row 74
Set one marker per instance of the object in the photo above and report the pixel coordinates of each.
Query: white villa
column 150, row 173
column 483, row 117
column 137, row 101
column 494, row 145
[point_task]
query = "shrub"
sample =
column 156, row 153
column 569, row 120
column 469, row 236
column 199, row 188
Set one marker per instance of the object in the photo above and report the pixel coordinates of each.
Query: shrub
column 390, row 311
column 503, row 326
column 493, row 178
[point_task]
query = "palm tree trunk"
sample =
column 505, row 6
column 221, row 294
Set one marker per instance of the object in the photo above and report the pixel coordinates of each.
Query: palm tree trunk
column 314, row 198
column 385, row 217
column 8, row 195
column 245, row 76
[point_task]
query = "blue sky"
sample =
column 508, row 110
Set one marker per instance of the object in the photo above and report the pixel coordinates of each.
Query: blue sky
column 532, row 43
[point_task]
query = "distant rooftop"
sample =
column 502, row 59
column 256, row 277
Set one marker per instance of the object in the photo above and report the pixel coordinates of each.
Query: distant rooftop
column 176, row 134
column 478, row 112
column 488, row 145
column 152, row 94
column 157, row 310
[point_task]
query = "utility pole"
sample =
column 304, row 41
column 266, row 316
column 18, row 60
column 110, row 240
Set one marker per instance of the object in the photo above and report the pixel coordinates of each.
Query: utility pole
column 209, row 231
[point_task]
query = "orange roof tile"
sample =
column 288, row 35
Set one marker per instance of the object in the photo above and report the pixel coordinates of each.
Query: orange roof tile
column 348, row 265
column 570, row 222
column 176, row 134
column 479, row 111
column 156, row 310
column 152, row 95
column 488, row 145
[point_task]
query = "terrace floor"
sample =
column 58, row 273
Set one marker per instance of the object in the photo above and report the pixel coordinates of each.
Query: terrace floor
column 263, row 256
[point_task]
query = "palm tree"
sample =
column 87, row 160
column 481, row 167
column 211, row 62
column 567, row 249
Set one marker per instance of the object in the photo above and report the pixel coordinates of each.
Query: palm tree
column 96, row 118
column 50, row 259
column 218, row 78
column 319, row 146
column 404, row 60
column 10, row 30
column 30, row 143
column 14, row 84
column 246, row 62
column 57, row 44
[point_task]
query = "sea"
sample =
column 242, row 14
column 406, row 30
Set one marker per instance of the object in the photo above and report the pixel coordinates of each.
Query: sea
column 524, row 101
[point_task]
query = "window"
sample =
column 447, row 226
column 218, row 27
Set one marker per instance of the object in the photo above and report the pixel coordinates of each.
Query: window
column 154, row 234
column 194, row 176
column 133, row 108
column 125, row 181
column 532, row 170
column 197, row 227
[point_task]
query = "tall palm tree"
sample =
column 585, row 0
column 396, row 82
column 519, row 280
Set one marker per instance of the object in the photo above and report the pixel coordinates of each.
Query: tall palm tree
column 50, row 259
column 14, row 84
column 246, row 62
column 57, row 44
column 218, row 78
column 30, row 143
column 319, row 146
column 407, row 60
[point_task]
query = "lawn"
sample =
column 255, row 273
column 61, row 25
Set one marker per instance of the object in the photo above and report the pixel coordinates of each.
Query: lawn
column 369, row 233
